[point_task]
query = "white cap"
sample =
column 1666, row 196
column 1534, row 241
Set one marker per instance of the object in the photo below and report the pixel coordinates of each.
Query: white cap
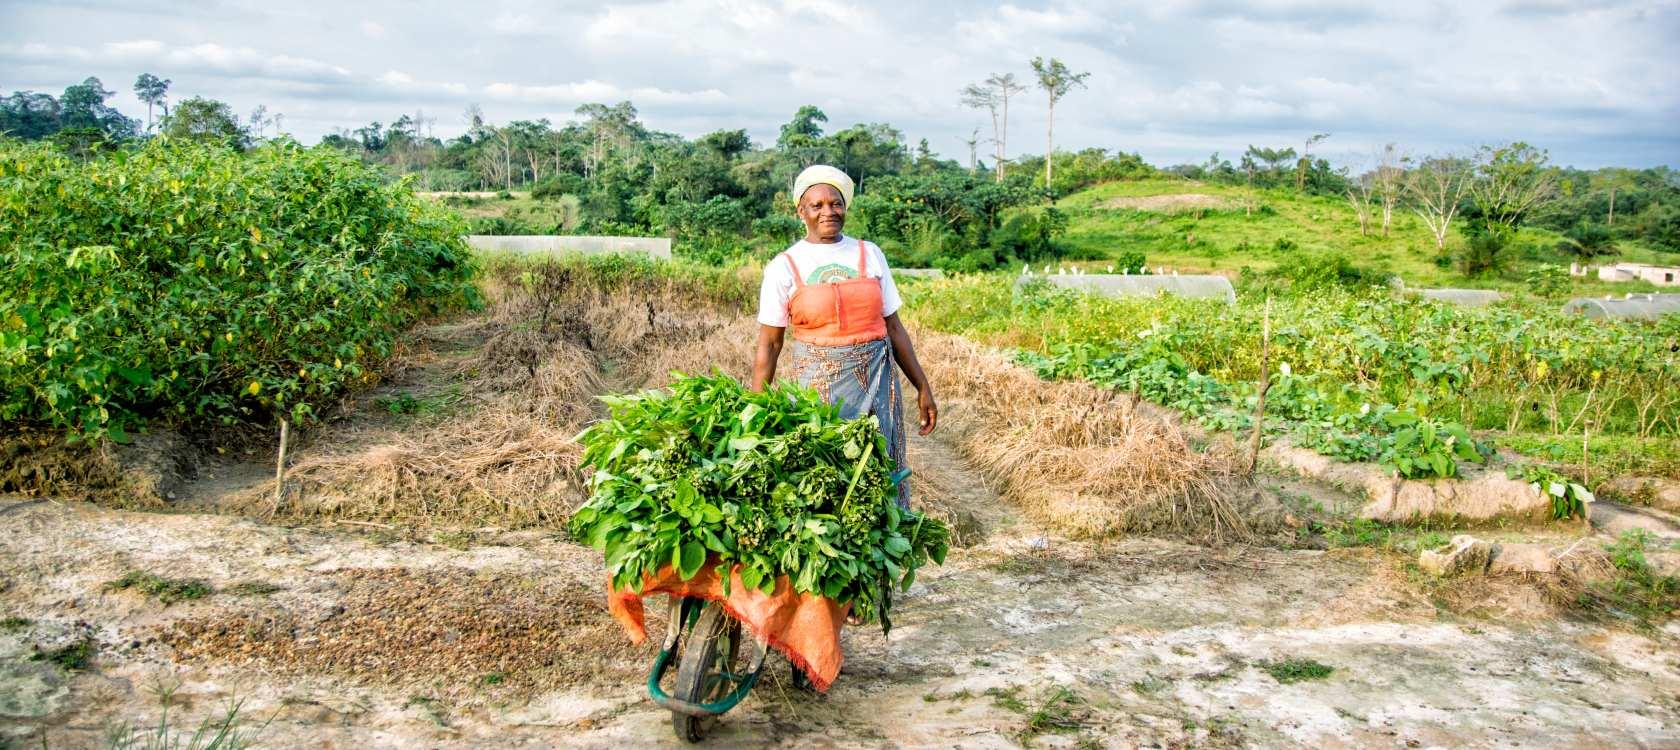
column 822, row 174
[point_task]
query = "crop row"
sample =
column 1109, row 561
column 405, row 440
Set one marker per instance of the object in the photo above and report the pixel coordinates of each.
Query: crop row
column 1357, row 375
column 194, row 282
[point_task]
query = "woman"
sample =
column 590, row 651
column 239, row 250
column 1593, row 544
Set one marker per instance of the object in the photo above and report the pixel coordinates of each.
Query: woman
column 838, row 296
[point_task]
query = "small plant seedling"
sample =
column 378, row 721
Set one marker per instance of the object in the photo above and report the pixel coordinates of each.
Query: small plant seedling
column 1008, row 698
column 70, row 657
column 494, row 678
column 167, row 590
column 1293, row 670
column 1062, row 711
column 1150, row 685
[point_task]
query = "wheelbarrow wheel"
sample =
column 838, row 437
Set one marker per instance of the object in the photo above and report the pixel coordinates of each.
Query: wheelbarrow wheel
column 708, row 655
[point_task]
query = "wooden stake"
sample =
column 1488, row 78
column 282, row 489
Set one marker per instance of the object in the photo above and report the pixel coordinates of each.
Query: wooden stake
column 280, row 468
column 1265, row 385
column 1586, row 426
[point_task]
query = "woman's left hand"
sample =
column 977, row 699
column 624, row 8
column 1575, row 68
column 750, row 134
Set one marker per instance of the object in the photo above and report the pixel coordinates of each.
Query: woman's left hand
column 929, row 410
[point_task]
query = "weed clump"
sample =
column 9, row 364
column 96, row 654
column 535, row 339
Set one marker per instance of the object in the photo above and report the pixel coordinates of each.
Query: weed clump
column 70, row 657
column 166, row 590
column 1636, row 590
column 1293, row 670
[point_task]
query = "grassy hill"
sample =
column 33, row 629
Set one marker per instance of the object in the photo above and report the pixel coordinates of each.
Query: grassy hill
column 1197, row 226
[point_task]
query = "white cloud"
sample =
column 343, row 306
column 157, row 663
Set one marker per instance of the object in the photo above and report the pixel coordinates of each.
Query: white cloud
column 1174, row 79
column 597, row 91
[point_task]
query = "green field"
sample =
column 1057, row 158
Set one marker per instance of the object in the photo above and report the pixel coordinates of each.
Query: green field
column 1264, row 230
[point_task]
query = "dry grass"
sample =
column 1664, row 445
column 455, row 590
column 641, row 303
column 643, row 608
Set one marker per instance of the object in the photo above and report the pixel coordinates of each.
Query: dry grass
column 1078, row 458
column 537, row 357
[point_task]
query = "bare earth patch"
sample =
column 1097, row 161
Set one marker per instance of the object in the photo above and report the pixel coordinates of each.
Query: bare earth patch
column 1169, row 203
column 406, row 628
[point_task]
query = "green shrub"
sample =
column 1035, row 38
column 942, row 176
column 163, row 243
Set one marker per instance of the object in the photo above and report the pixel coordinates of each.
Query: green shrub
column 550, row 188
column 191, row 282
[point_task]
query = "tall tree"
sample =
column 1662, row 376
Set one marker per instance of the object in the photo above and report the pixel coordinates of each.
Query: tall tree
column 1511, row 183
column 151, row 90
column 1358, row 193
column 199, row 118
column 973, row 144
column 1305, row 164
column 259, row 120
column 1056, row 80
column 83, row 106
column 608, row 127
column 1389, row 181
column 993, row 95
column 1438, row 186
column 29, row 115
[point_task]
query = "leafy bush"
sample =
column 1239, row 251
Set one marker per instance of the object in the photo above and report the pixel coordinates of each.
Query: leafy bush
column 774, row 482
column 1588, row 239
column 1569, row 499
column 192, row 282
column 500, row 225
column 778, row 228
column 1323, row 270
column 554, row 187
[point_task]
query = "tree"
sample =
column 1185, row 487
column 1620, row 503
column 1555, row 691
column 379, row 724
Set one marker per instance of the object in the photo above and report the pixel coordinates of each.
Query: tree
column 608, row 127
column 1305, row 164
column 199, row 118
column 1511, row 183
column 1358, row 193
column 1438, row 186
column 993, row 95
column 973, row 143
column 802, row 131
column 1273, row 158
column 1056, row 80
column 83, row 106
column 1389, row 181
column 1613, row 178
column 153, row 91
column 259, row 120
column 29, row 115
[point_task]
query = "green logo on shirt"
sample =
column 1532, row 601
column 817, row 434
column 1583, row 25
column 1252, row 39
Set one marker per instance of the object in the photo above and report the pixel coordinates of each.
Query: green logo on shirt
column 831, row 273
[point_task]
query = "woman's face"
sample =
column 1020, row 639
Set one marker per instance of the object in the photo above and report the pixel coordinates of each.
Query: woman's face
column 824, row 213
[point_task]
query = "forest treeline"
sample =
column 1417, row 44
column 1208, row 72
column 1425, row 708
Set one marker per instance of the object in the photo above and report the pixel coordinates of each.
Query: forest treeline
column 607, row 171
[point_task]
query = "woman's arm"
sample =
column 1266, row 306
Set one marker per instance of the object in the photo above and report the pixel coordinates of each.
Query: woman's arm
column 905, row 354
column 769, row 350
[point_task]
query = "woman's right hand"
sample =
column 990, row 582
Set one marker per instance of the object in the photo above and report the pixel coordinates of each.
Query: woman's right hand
column 928, row 409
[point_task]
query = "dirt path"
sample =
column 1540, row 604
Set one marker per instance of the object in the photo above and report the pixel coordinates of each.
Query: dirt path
column 1020, row 639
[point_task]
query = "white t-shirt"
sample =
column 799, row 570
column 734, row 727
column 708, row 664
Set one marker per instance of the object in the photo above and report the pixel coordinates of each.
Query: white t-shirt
column 820, row 264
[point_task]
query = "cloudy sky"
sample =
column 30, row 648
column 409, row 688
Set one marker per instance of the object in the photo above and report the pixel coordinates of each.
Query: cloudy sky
column 1594, row 81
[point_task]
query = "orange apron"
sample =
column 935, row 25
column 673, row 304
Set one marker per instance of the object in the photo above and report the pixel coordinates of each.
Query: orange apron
column 839, row 313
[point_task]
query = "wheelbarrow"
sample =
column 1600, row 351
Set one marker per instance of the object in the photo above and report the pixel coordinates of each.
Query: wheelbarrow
column 714, row 672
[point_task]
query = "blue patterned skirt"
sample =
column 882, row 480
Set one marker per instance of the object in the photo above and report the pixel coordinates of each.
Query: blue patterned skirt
column 863, row 380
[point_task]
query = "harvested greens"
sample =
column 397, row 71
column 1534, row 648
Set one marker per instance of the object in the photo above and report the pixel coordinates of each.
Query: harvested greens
column 775, row 482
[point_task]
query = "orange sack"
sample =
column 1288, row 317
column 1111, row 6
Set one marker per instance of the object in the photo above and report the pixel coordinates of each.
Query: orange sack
column 804, row 627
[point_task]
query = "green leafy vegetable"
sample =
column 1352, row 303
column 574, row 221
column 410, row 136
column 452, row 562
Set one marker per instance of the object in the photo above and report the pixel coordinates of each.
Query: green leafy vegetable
column 774, row 482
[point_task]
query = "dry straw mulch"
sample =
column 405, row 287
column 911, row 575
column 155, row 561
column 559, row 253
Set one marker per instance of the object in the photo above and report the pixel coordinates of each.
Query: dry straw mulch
column 1081, row 459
